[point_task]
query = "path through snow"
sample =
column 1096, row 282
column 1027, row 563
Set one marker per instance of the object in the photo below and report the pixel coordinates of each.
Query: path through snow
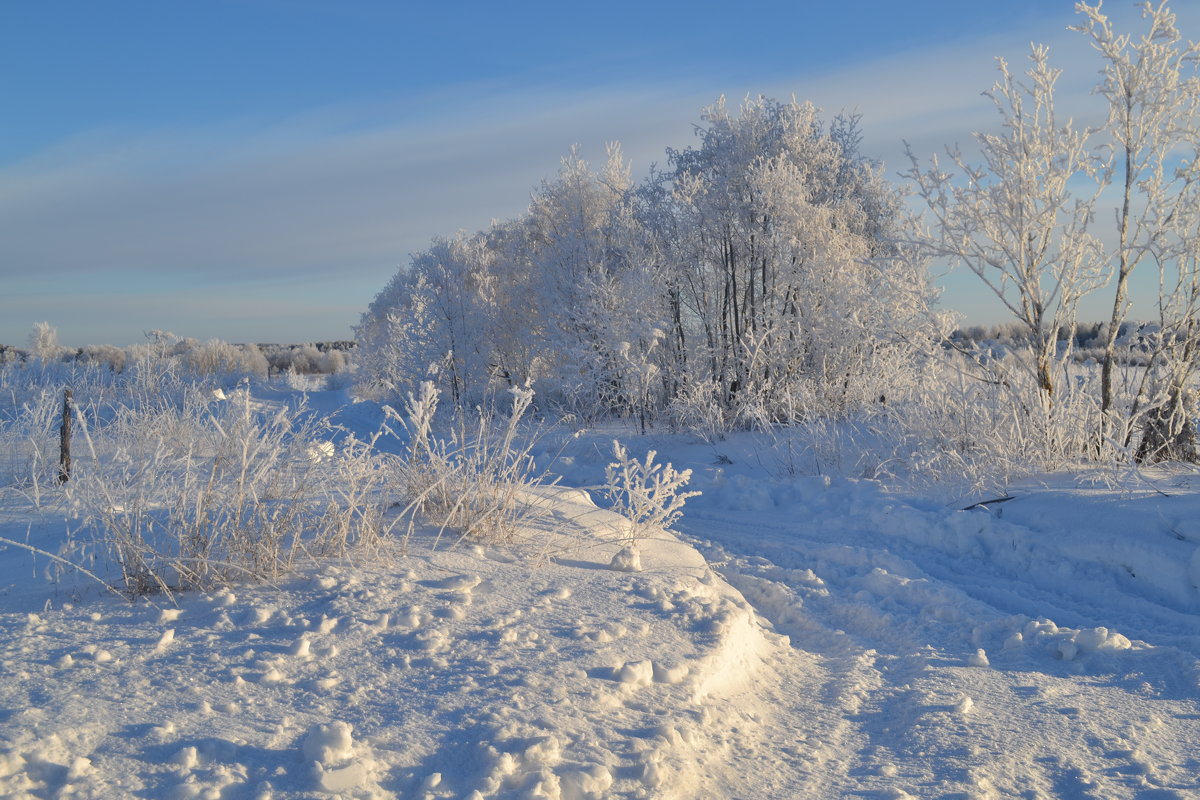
column 946, row 667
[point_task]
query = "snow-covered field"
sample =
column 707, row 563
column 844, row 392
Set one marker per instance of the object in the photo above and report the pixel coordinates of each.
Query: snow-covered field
column 798, row 636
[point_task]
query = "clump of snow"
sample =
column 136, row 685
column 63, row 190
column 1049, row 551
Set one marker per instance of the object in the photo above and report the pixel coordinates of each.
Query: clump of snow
column 978, row 659
column 343, row 778
column 636, row 673
column 1067, row 643
column 165, row 640
column 460, row 583
column 670, row 674
column 187, row 758
column 627, row 559
column 588, row 781
column 331, row 747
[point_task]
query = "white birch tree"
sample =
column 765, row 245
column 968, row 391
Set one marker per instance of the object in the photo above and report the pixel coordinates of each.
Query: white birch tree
column 596, row 285
column 1149, row 84
column 1014, row 219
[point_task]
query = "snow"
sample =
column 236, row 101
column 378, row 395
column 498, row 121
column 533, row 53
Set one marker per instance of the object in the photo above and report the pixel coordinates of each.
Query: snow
column 798, row 636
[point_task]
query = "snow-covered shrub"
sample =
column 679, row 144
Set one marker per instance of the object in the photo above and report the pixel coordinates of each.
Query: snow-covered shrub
column 219, row 358
column 474, row 478
column 305, row 359
column 697, row 408
column 215, row 491
column 325, row 358
column 352, row 508
column 105, row 354
column 343, row 379
column 647, row 494
column 972, row 425
column 11, row 355
column 29, row 443
column 303, row 381
column 31, row 399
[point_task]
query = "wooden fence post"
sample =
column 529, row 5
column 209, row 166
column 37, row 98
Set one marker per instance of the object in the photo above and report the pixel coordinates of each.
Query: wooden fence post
column 64, row 440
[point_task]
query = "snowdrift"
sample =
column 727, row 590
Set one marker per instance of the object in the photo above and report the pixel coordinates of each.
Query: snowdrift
column 465, row 672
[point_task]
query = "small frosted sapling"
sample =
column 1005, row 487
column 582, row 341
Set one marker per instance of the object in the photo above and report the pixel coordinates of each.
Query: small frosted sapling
column 645, row 493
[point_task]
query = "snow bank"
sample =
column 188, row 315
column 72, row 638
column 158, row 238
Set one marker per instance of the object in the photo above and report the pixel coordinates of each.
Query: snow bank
column 462, row 672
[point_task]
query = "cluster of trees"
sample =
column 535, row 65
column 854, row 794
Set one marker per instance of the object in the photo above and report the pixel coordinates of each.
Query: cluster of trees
column 763, row 276
column 1029, row 221
column 1134, row 343
column 770, row 274
column 214, row 357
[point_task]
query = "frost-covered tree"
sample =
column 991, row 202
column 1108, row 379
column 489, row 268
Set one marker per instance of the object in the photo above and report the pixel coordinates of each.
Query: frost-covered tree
column 1014, row 218
column 561, row 297
column 442, row 315
column 792, row 287
column 43, row 342
column 1168, row 429
column 1024, row 220
column 1150, row 86
column 598, row 286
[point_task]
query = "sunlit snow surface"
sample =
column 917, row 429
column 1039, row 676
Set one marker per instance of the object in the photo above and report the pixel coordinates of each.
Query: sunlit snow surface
column 802, row 637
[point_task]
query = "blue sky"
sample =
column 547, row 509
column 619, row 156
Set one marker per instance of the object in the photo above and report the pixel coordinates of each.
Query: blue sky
column 256, row 170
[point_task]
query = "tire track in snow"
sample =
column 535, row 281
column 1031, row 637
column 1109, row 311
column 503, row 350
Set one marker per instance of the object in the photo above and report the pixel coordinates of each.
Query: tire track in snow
column 904, row 710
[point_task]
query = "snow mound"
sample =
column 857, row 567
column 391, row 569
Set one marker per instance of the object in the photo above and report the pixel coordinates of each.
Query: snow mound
column 329, row 744
column 435, row 673
column 627, row 559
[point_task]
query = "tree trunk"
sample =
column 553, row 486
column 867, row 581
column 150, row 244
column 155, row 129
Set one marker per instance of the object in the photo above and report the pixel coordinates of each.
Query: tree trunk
column 1124, row 268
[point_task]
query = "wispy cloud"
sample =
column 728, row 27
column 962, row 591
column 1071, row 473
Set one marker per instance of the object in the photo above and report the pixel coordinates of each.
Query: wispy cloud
column 317, row 201
column 322, row 208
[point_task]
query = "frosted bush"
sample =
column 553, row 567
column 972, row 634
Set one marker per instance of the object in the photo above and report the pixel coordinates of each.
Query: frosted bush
column 474, row 478
column 216, row 491
column 29, row 444
column 216, row 357
column 308, row 359
column 647, row 494
column 697, row 407
column 104, row 354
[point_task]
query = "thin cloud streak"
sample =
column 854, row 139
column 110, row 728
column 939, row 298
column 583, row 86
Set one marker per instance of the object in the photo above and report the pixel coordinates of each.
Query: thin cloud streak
column 330, row 204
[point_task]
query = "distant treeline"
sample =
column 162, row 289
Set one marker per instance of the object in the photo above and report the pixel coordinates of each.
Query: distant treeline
column 1134, row 339
column 214, row 355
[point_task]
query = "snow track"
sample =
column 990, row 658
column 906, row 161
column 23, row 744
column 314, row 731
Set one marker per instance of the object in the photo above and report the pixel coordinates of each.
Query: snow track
column 941, row 670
